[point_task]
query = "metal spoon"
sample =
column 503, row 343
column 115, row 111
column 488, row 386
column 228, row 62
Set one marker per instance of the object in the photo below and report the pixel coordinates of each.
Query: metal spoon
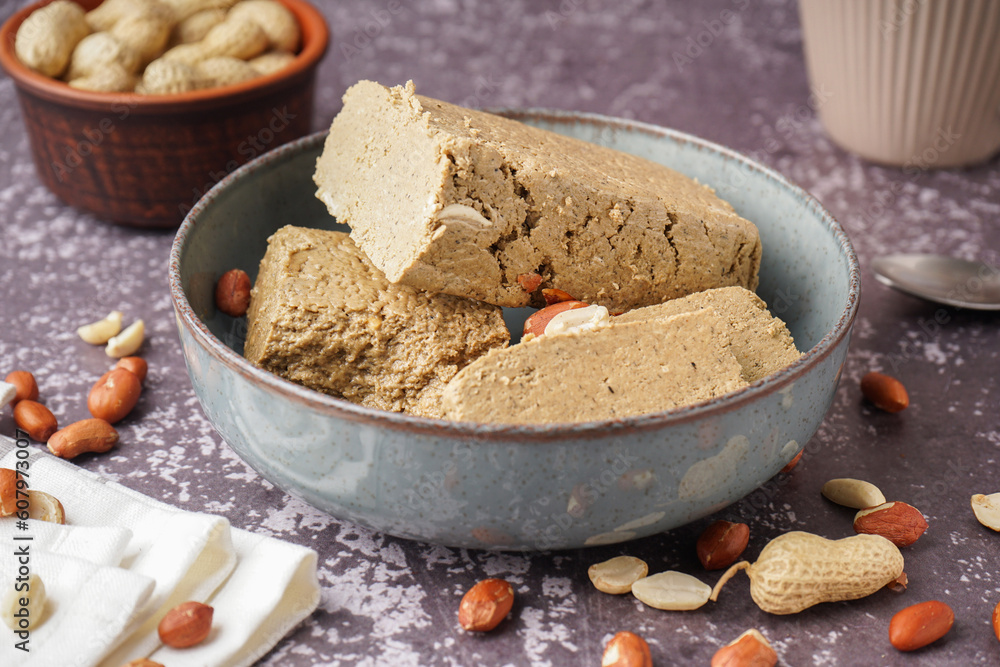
column 955, row 282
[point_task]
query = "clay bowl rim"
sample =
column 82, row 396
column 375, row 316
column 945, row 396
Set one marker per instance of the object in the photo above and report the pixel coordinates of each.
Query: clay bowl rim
column 534, row 433
column 315, row 42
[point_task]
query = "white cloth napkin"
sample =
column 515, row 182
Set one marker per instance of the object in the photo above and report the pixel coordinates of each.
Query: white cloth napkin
column 89, row 606
column 123, row 559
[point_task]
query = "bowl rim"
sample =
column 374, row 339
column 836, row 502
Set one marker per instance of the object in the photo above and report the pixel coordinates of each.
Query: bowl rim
column 427, row 426
column 315, row 42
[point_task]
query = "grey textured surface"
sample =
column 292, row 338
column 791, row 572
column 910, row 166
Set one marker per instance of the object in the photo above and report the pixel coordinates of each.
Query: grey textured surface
column 393, row 602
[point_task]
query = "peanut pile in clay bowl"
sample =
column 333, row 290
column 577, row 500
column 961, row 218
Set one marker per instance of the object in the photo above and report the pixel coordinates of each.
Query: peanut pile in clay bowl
column 364, row 353
column 136, row 108
column 158, row 47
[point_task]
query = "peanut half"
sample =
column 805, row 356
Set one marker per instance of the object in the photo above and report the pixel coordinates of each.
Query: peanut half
column 45, row 507
column 23, row 605
column 672, row 590
column 987, row 510
column 854, row 493
column 798, row 570
column 101, row 331
column 616, row 576
column 127, row 342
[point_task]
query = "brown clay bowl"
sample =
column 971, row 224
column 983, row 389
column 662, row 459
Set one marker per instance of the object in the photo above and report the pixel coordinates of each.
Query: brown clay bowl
column 144, row 160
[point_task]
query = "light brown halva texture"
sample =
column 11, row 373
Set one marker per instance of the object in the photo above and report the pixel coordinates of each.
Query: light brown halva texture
column 760, row 342
column 464, row 202
column 322, row 316
column 621, row 370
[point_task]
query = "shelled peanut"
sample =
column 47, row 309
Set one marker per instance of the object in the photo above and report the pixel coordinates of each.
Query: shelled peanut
column 485, row 605
column 626, row 649
column 186, row 625
column 158, row 47
column 749, row 649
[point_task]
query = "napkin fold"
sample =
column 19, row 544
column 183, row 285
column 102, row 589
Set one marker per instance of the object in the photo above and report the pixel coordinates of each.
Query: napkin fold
column 101, row 545
column 123, row 560
column 259, row 604
column 88, row 607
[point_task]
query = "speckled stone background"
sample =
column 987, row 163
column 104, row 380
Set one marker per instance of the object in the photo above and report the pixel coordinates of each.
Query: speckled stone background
column 392, row 602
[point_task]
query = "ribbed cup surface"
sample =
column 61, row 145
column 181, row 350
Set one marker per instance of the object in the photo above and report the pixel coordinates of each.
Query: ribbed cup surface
column 913, row 83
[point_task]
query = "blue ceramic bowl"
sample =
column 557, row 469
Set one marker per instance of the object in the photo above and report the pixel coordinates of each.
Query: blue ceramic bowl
column 519, row 487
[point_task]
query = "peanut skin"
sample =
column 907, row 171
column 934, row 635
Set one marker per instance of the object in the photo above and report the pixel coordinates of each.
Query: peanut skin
column 25, row 383
column 82, row 437
column 885, row 392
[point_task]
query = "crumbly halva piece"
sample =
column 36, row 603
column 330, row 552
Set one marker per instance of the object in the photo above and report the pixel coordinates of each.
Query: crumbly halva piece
column 322, row 316
column 618, row 371
column 760, row 342
column 465, row 202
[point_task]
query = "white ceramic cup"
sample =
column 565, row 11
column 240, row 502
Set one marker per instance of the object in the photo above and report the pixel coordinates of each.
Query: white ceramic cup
column 909, row 83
